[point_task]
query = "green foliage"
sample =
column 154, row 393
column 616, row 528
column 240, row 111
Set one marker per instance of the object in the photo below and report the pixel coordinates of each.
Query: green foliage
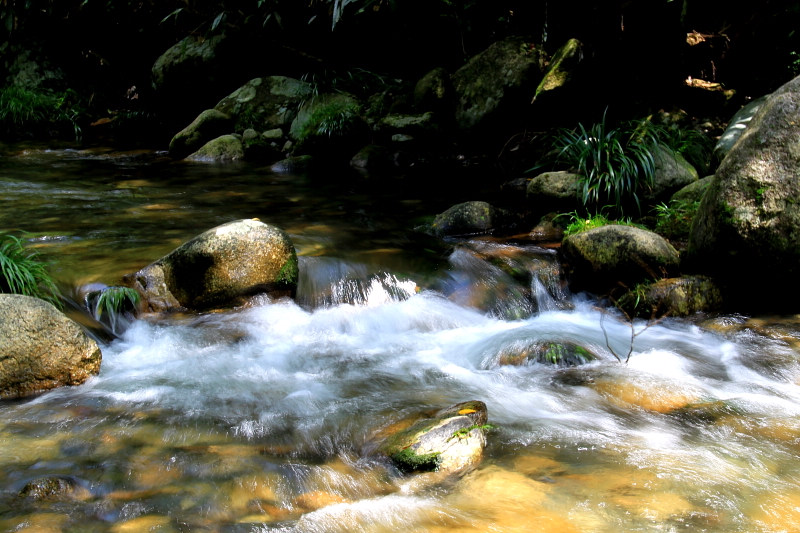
column 695, row 146
column 616, row 164
column 114, row 300
column 23, row 109
column 579, row 223
column 674, row 220
column 334, row 119
column 463, row 433
column 23, row 272
column 409, row 461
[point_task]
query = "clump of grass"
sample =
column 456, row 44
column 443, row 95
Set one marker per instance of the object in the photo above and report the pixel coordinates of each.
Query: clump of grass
column 616, row 164
column 23, row 271
column 113, row 306
column 39, row 111
column 579, row 223
column 674, row 220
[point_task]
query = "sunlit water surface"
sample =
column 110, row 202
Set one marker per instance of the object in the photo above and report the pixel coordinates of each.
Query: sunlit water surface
column 266, row 418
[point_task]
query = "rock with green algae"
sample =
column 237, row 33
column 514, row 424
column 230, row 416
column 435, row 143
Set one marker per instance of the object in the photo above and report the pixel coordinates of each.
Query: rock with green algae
column 554, row 191
column 222, row 149
column 326, row 118
column 265, row 103
column 561, row 69
column 220, row 267
column 465, row 219
column 496, row 84
column 208, row 125
column 451, row 441
column 601, row 258
column 677, row 297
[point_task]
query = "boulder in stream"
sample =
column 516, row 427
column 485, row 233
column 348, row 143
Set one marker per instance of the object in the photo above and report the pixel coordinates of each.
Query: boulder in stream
column 749, row 219
column 41, row 349
column 465, row 219
column 220, row 267
column 600, row 258
column 450, row 441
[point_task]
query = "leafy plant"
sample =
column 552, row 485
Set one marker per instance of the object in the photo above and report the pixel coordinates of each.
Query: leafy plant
column 695, row 146
column 23, row 272
column 616, row 164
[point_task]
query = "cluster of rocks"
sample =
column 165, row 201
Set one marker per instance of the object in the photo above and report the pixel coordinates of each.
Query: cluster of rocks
column 272, row 117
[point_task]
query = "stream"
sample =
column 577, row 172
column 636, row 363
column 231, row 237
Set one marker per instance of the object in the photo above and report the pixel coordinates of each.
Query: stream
column 266, row 418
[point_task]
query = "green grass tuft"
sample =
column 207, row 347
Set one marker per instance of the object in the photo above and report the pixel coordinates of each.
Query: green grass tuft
column 23, row 272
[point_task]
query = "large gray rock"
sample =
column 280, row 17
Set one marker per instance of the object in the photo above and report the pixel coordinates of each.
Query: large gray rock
column 208, row 125
column 464, row 219
column 554, row 191
column 672, row 173
column 451, row 441
column 195, row 61
column 265, row 103
column 749, row 219
column 219, row 267
column 41, row 349
column 497, row 83
column 601, row 258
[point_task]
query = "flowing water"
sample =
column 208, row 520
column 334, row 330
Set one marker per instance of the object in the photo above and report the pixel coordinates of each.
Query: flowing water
column 266, row 418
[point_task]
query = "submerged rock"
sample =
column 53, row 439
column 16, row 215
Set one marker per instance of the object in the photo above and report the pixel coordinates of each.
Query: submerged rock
column 219, row 267
column 41, row 349
column 55, row 488
column 450, row 441
column 561, row 354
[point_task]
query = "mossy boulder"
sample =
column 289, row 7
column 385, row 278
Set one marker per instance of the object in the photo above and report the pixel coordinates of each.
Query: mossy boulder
column 496, row 84
column 465, row 219
column 450, row 441
column 327, row 119
column 555, row 353
column 750, row 215
column 224, row 148
column 692, row 192
column 601, row 258
column 676, row 297
column 195, row 61
column 208, row 125
column 434, row 92
column 561, row 69
column 265, row 103
column 41, row 349
column 219, row 268
column 422, row 125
